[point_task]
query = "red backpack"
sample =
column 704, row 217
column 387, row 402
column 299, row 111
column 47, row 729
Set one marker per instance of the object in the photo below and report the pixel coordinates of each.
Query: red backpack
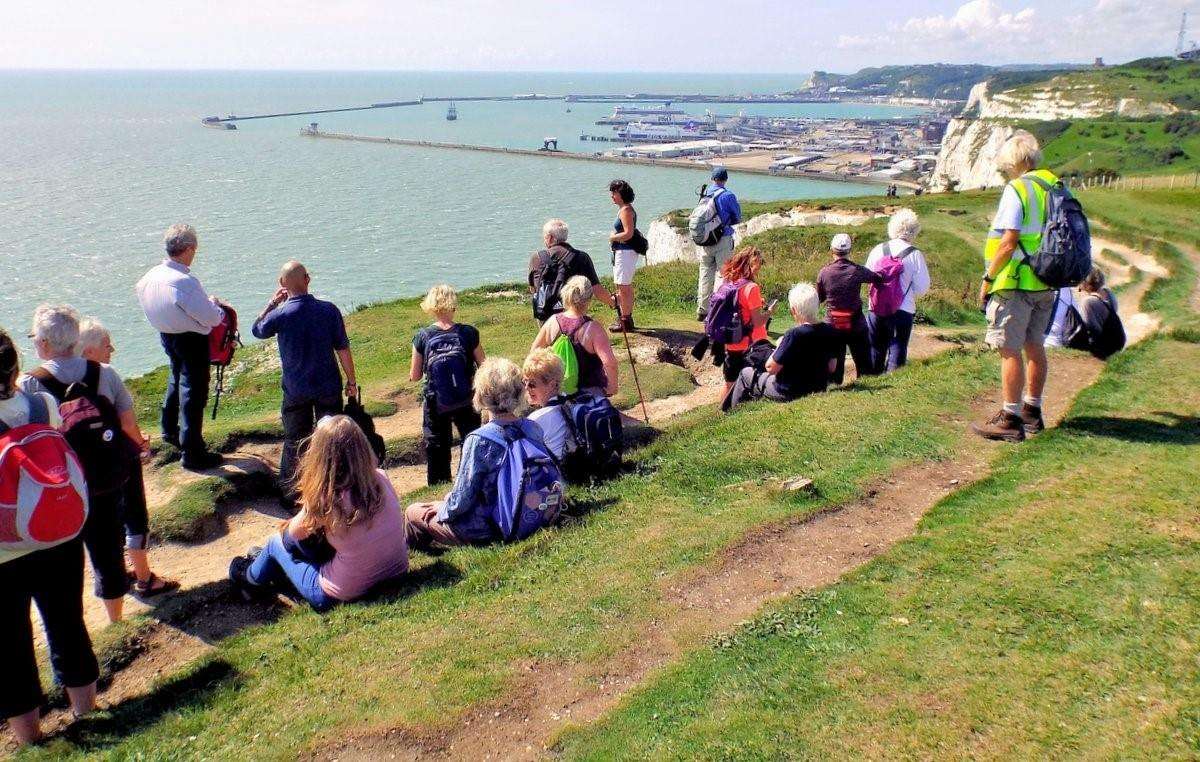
column 887, row 299
column 43, row 493
column 222, row 342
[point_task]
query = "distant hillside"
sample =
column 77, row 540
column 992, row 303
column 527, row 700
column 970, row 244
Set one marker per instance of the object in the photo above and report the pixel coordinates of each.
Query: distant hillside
column 1160, row 85
column 944, row 81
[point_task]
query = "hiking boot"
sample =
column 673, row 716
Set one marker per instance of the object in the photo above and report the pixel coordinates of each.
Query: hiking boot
column 201, row 461
column 1004, row 426
column 702, row 316
column 625, row 323
column 172, row 440
column 1031, row 419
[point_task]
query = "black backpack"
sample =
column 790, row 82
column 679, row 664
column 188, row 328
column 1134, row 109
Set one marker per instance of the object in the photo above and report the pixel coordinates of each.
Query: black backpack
column 548, row 279
column 1103, row 345
column 92, row 426
column 357, row 413
column 599, row 436
column 449, row 371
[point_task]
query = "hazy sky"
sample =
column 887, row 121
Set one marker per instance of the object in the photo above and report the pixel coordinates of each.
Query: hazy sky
column 577, row 35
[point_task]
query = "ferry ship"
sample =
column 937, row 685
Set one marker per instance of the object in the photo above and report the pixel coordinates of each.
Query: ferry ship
column 646, row 132
column 657, row 114
column 451, row 113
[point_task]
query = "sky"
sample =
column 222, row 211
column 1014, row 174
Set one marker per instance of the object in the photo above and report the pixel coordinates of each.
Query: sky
column 579, row 35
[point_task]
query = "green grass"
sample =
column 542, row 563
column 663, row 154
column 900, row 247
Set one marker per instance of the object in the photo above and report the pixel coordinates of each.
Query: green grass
column 1150, row 80
column 1048, row 611
column 192, row 512
column 1104, row 147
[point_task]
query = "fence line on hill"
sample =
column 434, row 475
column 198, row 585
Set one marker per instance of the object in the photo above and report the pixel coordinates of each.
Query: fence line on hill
column 1155, row 182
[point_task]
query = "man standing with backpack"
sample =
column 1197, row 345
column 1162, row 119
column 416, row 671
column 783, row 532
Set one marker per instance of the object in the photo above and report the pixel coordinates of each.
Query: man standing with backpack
column 446, row 355
column 99, row 424
column 553, row 266
column 177, row 306
column 1015, row 294
column 715, row 234
column 312, row 343
column 893, row 305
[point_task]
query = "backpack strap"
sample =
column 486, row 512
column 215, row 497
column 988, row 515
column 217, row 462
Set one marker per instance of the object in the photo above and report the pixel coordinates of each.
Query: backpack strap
column 39, row 409
column 577, row 329
column 44, row 377
column 91, row 377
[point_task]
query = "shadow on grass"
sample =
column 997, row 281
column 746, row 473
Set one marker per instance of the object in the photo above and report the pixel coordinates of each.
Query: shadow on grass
column 428, row 577
column 193, row 690
column 1177, row 429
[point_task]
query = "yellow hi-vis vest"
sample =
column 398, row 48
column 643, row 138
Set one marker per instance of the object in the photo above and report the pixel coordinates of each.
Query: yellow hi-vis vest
column 1016, row 274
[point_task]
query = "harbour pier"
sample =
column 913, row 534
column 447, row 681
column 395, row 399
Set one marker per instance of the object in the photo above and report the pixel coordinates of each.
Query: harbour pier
column 312, row 132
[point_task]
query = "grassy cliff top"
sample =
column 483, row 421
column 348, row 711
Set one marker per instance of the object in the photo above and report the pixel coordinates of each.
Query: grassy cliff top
column 1150, row 80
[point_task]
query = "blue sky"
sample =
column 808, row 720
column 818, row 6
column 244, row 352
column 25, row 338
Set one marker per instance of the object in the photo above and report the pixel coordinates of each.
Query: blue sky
column 579, row 35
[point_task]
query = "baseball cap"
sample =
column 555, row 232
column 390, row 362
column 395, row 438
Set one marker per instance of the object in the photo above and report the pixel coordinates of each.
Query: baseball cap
column 720, row 174
column 841, row 242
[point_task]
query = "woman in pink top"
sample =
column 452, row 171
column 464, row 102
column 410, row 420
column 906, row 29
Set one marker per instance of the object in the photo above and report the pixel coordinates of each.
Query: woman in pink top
column 347, row 508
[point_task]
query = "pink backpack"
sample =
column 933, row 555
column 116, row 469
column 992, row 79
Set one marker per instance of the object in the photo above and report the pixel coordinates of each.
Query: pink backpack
column 887, row 298
column 43, row 493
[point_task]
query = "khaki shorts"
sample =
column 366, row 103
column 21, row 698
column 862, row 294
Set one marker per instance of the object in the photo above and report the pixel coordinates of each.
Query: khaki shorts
column 1016, row 318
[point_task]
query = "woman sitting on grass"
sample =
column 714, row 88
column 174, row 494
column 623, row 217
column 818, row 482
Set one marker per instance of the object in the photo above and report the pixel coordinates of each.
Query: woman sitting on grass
column 543, row 372
column 465, row 516
column 349, row 534
column 593, row 350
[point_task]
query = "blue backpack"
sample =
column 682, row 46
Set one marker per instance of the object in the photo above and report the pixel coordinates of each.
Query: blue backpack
column 1064, row 257
column 529, row 488
column 449, row 371
column 599, row 435
column 724, row 323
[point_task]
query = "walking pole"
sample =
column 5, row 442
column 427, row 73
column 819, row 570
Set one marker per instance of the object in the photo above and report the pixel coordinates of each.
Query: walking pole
column 632, row 364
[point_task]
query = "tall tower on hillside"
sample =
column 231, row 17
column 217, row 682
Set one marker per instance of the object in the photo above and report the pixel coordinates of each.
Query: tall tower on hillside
column 1182, row 48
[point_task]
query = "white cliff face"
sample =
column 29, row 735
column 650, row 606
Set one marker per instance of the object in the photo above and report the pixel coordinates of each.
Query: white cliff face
column 967, row 159
column 669, row 245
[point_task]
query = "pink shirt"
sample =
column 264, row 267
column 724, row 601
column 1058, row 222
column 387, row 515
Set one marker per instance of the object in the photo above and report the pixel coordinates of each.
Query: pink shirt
column 367, row 553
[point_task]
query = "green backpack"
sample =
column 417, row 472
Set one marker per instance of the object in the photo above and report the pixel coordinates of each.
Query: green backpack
column 564, row 347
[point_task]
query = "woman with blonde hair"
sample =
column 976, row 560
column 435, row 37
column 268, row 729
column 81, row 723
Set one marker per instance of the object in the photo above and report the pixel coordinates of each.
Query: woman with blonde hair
column 445, row 354
column 593, row 350
column 465, row 516
column 349, row 534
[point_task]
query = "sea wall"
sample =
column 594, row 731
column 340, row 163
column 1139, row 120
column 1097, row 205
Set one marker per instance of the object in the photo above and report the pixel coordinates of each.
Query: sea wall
column 667, row 244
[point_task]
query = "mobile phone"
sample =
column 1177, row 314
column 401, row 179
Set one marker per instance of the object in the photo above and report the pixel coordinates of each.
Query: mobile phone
column 771, row 306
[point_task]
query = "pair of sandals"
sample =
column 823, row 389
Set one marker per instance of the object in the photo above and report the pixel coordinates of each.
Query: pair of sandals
column 152, row 586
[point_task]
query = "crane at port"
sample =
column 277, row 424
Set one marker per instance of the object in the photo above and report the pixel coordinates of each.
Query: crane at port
column 1182, row 49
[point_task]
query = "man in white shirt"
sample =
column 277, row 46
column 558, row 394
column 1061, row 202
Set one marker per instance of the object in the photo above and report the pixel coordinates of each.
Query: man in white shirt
column 183, row 313
column 890, row 333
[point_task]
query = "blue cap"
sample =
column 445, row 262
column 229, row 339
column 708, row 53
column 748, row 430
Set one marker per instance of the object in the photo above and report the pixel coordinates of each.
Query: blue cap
column 720, row 174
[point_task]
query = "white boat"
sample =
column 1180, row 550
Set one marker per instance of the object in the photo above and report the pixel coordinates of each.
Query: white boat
column 664, row 133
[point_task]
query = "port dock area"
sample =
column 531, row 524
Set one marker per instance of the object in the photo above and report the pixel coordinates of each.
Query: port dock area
column 745, row 168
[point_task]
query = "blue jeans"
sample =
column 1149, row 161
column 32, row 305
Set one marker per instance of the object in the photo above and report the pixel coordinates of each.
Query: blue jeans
column 187, row 390
column 276, row 565
column 889, row 339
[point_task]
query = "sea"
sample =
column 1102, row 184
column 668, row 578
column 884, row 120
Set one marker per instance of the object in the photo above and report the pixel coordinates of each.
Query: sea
column 95, row 165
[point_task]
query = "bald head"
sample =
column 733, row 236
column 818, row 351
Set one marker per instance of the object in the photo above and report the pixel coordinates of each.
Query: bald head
column 294, row 277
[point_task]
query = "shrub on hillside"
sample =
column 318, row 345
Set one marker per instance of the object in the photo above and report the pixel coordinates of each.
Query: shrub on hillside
column 1170, row 154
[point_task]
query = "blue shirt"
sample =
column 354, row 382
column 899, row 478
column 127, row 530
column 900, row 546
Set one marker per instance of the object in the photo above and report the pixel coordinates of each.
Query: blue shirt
column 309, row 330
column 727, row 207
column 468, row 507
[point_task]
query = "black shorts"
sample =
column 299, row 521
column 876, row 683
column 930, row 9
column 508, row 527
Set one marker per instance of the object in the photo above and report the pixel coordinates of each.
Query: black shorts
column 731, row 368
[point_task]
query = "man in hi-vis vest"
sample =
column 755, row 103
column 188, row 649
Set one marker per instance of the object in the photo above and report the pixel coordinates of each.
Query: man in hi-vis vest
column 1018, row 305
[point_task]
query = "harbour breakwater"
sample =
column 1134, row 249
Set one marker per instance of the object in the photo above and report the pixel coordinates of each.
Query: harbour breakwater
column 555, row 154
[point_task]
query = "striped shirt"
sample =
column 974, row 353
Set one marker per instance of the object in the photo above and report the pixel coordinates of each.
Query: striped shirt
column 175, row 302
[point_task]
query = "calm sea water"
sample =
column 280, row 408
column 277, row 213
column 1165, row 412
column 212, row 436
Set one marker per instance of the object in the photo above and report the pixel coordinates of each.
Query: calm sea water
column 95, row 165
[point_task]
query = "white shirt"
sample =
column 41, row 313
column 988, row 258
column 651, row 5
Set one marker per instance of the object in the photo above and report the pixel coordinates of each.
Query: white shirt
column 914, row 279
column 1010, row 214
column 558, row 437
column 1066, row 298
column 175, row 302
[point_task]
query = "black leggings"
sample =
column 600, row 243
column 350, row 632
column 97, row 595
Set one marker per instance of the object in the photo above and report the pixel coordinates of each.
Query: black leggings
column 53, row 579
column 104, row 537
column 436, row 430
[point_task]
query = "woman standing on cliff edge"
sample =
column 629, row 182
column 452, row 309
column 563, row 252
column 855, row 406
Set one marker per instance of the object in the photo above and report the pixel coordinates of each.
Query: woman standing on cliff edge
column 626, row 241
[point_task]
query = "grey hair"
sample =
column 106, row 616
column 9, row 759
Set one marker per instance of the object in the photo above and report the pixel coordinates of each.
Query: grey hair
column 92, row 333
column 58, row 326
column 179, row 238
column 904, row 225
column 1022, row 149
column 499, row 387
column 804, row 302
column 556, row 229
